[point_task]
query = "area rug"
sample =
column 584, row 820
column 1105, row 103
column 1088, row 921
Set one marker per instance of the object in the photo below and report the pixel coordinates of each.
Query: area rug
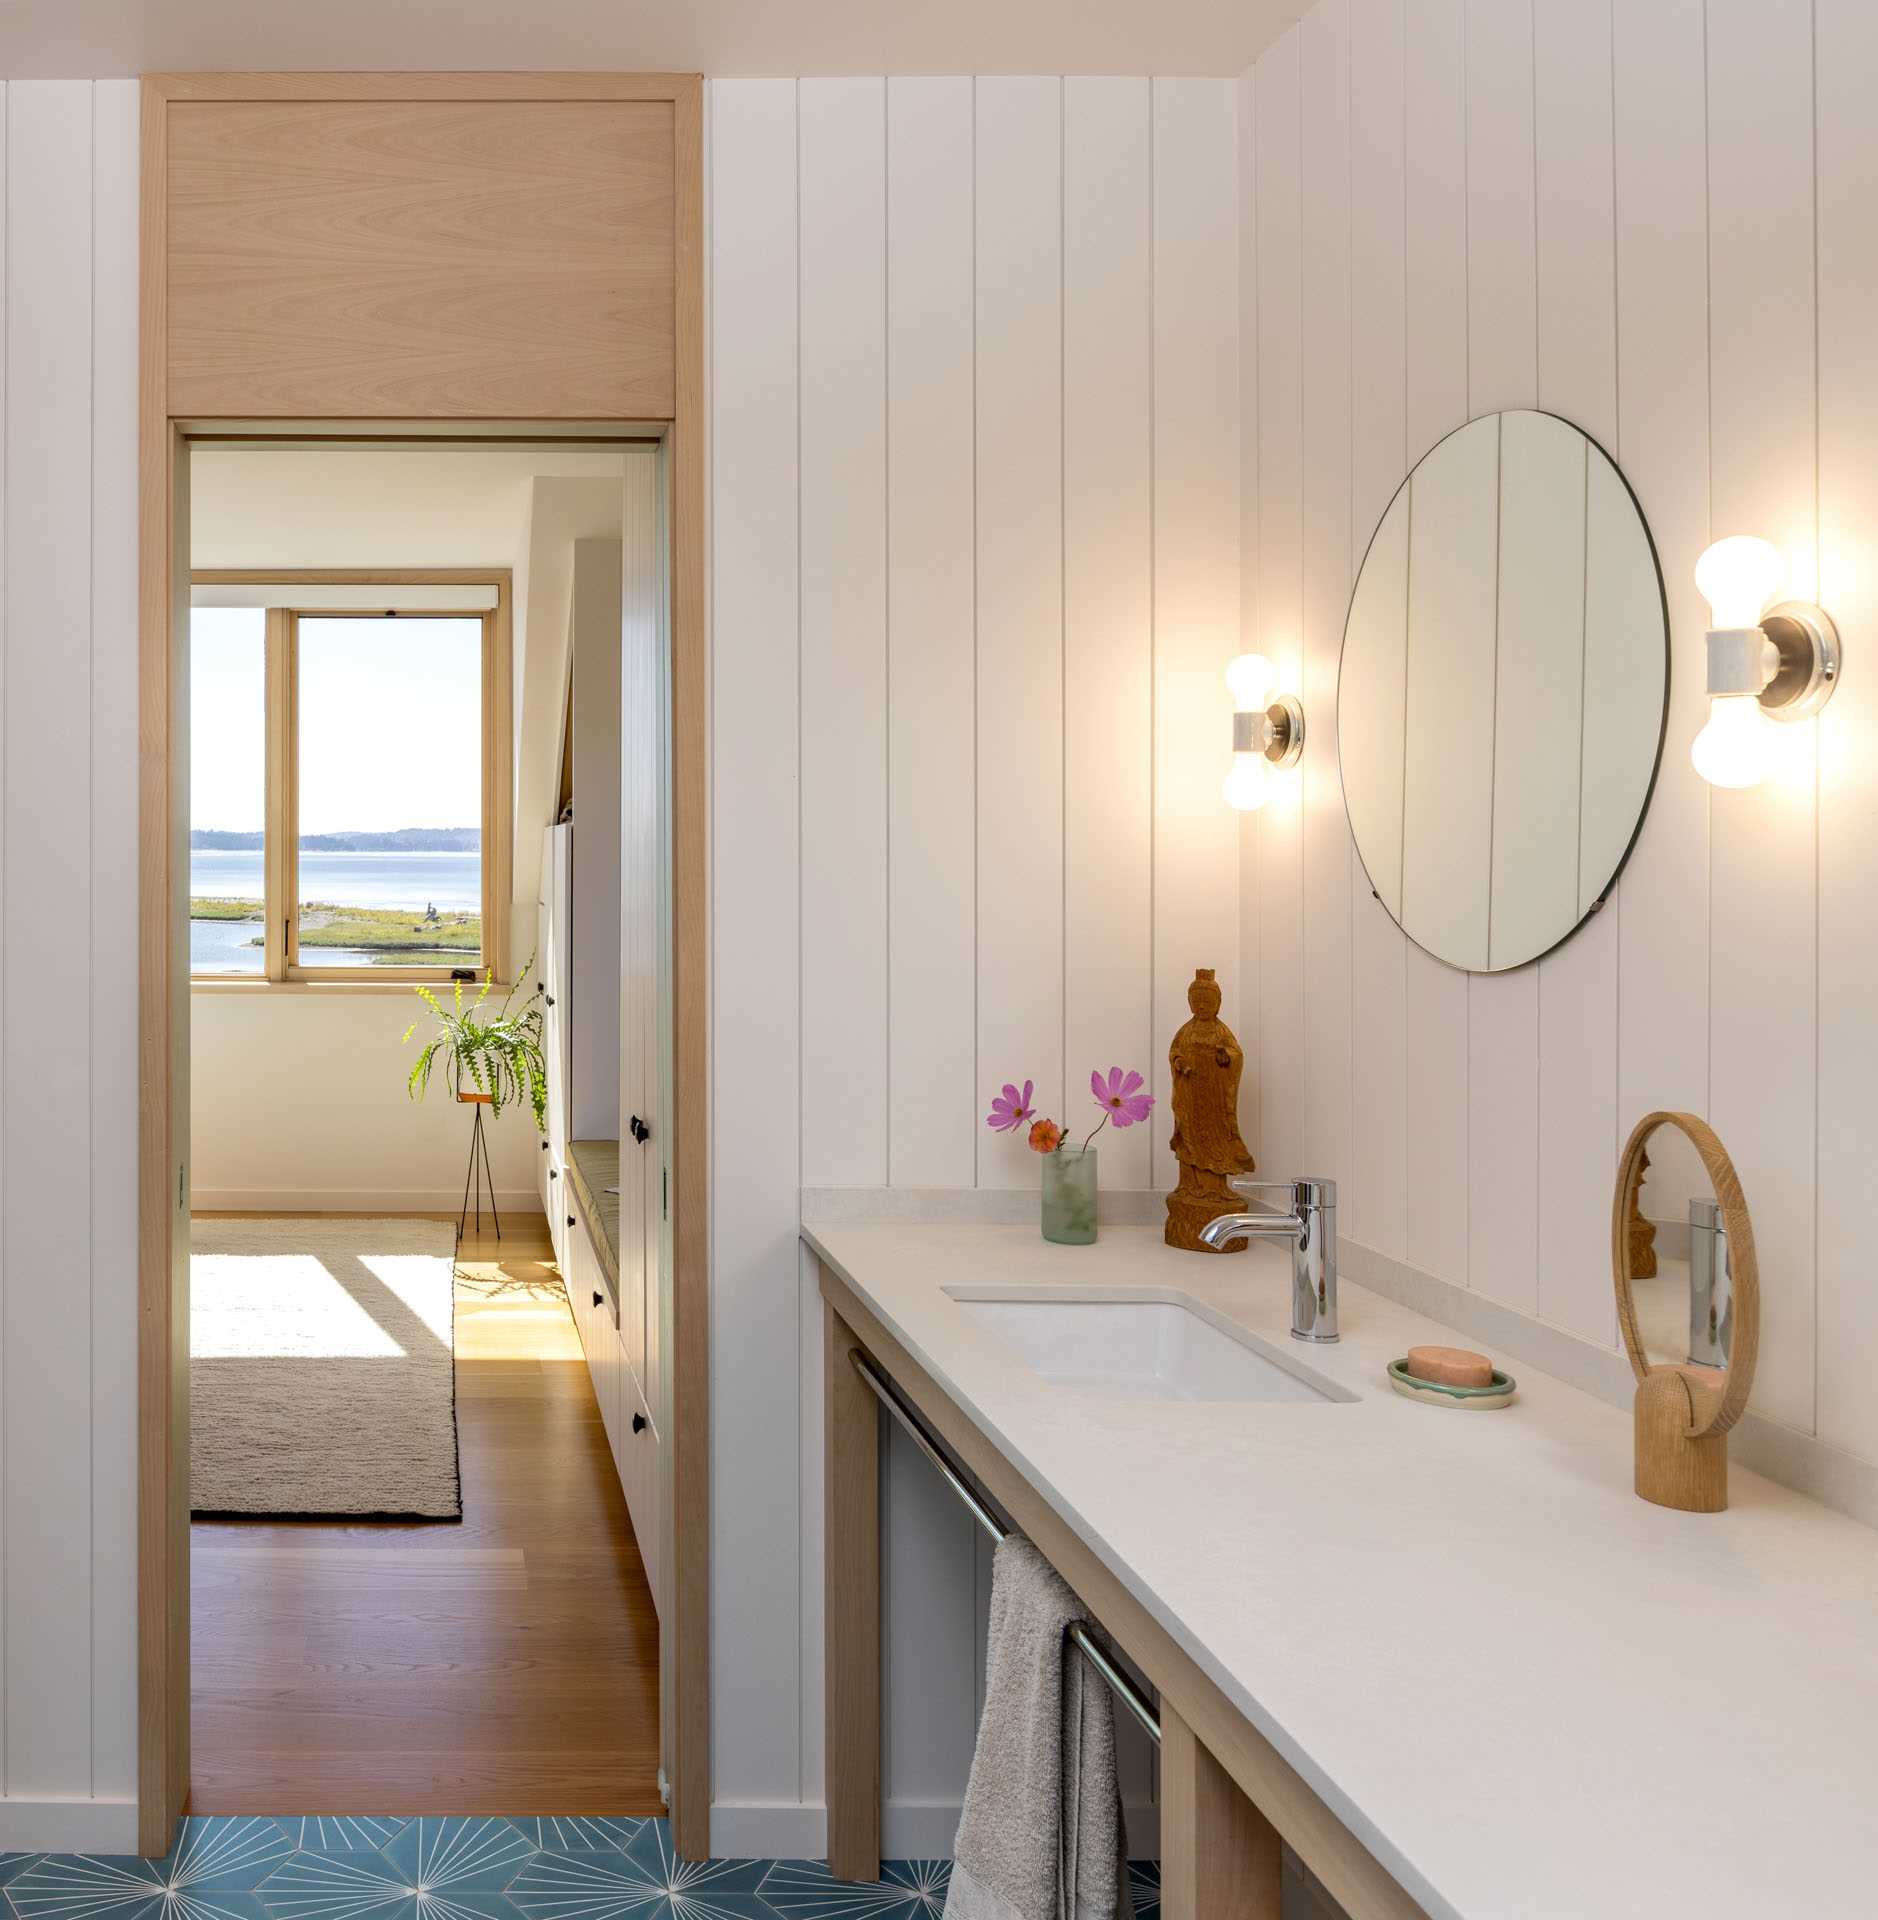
column 322, row 1368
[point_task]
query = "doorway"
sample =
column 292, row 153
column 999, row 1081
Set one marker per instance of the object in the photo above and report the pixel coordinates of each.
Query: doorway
column 417, row 1580
column 226, row 363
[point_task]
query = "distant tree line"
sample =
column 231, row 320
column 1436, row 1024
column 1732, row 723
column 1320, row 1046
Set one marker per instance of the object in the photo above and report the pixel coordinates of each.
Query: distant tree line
column 401, row 840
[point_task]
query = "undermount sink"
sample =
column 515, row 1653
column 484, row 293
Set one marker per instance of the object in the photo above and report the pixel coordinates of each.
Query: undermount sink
column 1142, row 1347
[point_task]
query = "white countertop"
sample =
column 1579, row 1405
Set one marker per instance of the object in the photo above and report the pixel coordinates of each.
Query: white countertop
column 1527, row 1691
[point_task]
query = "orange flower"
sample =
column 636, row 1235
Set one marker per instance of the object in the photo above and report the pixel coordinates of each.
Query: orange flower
column 1045, row 1137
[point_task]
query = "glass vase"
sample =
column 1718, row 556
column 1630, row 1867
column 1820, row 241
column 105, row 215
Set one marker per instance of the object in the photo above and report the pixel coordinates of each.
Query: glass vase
column 1069, row 1196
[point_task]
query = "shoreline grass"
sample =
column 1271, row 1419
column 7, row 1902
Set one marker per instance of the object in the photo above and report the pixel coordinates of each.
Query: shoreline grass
column 389, row 934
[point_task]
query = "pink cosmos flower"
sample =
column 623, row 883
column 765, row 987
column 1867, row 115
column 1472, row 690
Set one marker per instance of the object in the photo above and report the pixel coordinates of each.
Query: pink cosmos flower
column 1010, row 1109
column 1120, row 1096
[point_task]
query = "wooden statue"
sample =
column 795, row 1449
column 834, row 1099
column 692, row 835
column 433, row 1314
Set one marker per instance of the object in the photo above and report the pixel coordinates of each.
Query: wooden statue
column 1207, row 1062
column 1642, row 1231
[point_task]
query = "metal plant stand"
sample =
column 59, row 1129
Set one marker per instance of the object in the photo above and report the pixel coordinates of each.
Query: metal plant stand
column 479, row 1175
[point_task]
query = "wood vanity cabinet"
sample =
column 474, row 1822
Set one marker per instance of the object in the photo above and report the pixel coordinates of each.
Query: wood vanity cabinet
column 1230, row 1802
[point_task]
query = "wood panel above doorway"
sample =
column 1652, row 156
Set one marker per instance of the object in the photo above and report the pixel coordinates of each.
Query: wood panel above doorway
column 421, row 258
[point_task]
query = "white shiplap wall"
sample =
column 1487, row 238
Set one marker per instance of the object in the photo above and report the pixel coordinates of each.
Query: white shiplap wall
column 1660, row 220
column 68, row 980
column 975, row 580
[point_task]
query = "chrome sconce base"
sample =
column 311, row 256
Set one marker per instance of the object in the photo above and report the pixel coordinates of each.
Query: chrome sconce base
column 1277, row 733
column 1807, row 642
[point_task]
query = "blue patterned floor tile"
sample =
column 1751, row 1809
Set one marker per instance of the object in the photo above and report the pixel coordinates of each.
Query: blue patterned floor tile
column 907, row 1890
column 1144, row 1882
column 558, row 1886
column 651, row 1852
column 226, row 1853
column 341, row 1833
column 580, row 1833
column 211, row 1903
column 331, row 1886
column 460, row 1856
column 355, row 1867
column 76, row 1886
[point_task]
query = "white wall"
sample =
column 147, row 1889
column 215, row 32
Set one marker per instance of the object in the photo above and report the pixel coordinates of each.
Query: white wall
column 298, row 1105
column 1461, row 205
column 68, row 967
column 975, row 582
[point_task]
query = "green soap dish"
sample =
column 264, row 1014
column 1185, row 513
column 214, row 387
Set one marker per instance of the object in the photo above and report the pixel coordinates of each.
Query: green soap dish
column 1475, row 1399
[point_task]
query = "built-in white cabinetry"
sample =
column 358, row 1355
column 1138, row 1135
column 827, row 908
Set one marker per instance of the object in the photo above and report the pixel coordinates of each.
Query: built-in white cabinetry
column 593, row 958
column 551, row 969
column 601, row 918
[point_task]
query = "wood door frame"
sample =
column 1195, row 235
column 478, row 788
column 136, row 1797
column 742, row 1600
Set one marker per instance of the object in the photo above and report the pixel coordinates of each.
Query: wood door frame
column 163, row 972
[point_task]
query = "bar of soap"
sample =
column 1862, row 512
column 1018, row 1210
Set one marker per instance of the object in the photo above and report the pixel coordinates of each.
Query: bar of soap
column 1450, row 1366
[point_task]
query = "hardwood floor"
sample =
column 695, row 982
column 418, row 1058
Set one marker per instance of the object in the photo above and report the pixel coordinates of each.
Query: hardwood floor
column 506, row 1663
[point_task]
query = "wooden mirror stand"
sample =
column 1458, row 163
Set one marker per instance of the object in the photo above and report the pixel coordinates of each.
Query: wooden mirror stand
column 1684, row 1411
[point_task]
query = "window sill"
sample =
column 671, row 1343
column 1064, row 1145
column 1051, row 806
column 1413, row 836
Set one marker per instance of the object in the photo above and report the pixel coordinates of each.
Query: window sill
column 340, row 988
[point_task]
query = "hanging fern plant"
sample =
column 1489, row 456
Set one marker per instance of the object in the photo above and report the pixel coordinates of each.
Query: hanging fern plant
column 499, row 1054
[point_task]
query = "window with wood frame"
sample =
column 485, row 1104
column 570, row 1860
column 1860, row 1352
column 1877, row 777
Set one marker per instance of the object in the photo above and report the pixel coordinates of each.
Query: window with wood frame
column 349, row 776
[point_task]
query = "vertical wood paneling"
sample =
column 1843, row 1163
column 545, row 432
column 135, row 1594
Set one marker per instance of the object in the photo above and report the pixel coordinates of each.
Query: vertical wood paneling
column 1376, row 1202
column 1196, row 559
column 1434, row 166
column 1019, row 469
column 45, row 1253
column 6, row 1183
column 1577, row 329
column 1502, row 371
column 1324, row 52
column 1279, row 162
column 1251, row 978
column 1763, row 480
column 1108, row 614
column 843, row 399
column 756, row 1032
column 1847, row 67
column 1590, row 210
column 933, row 1117
column 1659, row 91
column 113, row 1141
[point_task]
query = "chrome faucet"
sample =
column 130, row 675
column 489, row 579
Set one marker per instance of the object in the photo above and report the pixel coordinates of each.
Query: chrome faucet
column 1311, row 1227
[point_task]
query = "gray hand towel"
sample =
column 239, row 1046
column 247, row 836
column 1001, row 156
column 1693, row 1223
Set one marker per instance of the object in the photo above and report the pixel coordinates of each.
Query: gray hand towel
column 1041, row 1837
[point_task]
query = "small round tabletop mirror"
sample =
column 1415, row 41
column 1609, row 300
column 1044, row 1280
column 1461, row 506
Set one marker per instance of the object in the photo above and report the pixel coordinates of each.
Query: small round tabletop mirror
column 1688, row 1305
column 1503, row 691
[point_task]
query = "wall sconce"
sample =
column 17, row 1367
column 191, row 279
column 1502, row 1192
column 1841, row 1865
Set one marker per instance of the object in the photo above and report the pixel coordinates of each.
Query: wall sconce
column 1779, row 665
column 1266, row 733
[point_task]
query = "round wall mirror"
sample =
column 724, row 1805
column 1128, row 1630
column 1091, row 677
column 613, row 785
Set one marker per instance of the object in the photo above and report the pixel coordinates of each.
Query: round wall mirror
column 1688, row 1304
column 1503, row 691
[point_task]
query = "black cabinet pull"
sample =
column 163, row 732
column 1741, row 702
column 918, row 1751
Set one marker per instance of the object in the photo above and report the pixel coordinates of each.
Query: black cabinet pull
column 639, row 1130
column 596, row 1299
column 554, row 1173
column 549, row 998
column 544, row 1148
column 570, row 1219
column 639, row 1423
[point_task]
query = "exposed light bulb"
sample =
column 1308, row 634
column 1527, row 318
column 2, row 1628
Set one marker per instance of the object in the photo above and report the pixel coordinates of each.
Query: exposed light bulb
column 1248, row 785
column 1250, row 677
column 1734, row 749
column 1738, row 576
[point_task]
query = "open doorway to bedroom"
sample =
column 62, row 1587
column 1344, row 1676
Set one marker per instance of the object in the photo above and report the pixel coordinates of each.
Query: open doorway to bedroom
column 425, row 1314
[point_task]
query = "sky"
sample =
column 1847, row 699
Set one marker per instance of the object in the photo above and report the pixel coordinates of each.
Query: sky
column 390, row 722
